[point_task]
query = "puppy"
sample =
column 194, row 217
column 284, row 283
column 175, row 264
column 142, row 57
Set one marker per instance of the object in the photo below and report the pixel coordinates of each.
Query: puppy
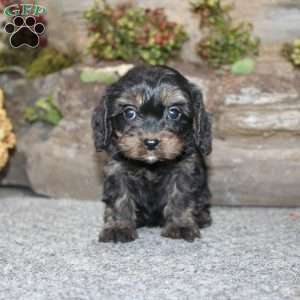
column 153, row 125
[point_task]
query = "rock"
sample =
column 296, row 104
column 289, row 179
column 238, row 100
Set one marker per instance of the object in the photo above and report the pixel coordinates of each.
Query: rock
column 260, row 106
column 269, row 62
column 21, row 93
column 120, row 70
column 255, row 158
column 71, row 37
column 256, row 96
column 69, row 93
column 263, row 121
column 56, row 161
column 255, row 172
column 72, row 96
column 16, row 173
column 66, row 166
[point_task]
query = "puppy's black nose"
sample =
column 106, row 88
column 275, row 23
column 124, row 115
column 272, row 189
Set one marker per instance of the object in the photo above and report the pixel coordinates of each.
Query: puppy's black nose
column 151, row 144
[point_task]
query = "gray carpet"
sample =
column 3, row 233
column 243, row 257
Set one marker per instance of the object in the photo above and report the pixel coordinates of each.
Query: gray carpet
column 48, row 250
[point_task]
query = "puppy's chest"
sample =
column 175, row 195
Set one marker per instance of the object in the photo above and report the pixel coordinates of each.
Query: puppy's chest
column 148, row 185
column 151, row 177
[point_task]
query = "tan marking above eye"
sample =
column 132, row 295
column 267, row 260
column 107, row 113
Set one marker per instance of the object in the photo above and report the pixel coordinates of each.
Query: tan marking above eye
column 139, row 99
column 171, row 96
column 134, row 99
column 125, row 101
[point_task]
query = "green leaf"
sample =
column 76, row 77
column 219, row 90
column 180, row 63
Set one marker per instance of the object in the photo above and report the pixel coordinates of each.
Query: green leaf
column 30, row 114
column 97, row 75
column 52, row 117
column 243, row 67
column 44, row 104
column 43, row 110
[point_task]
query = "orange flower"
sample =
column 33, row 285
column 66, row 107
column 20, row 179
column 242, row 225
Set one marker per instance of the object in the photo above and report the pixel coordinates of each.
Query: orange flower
column 7, row 138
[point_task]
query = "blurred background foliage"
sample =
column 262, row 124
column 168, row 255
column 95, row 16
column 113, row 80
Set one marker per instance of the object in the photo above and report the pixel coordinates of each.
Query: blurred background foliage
column 136, row 34
column 7, row 138
column 292, row 52
column 132, row 34
column 225, row 42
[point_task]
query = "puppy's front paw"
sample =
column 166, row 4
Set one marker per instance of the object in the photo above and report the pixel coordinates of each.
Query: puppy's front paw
column 204, row 219
column 176, row 232
column 118, row 233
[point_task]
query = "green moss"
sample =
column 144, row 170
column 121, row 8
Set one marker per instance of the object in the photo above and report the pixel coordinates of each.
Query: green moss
column 97, row 75
column 45, row 111
column 244, row 66
column 21, row 57
column 49, row 61
column 35, row 62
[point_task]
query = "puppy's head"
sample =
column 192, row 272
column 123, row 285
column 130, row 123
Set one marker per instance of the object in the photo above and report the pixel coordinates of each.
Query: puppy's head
column 152, row 114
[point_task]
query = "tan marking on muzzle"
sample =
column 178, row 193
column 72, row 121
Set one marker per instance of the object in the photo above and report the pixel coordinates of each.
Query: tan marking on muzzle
column 169, row 148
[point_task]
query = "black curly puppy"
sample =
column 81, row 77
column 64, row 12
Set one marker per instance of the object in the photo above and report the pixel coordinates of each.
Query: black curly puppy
column 153, row 124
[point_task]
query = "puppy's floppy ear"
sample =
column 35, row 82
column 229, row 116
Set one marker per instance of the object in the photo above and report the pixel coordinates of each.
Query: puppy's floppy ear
column 101, row 124
column 202, row 123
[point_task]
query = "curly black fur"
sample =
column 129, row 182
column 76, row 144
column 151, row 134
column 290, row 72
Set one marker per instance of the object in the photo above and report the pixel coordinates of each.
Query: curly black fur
column 161, row 186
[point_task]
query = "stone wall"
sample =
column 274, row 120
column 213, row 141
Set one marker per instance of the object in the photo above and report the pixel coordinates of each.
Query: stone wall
column 255, row 158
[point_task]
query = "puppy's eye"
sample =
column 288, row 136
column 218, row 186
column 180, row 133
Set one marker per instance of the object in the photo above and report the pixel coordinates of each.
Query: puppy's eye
column 130, row 114
column 174, row 113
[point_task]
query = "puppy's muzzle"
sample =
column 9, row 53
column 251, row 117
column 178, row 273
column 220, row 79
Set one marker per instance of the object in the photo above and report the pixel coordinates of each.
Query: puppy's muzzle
column 151, row 144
